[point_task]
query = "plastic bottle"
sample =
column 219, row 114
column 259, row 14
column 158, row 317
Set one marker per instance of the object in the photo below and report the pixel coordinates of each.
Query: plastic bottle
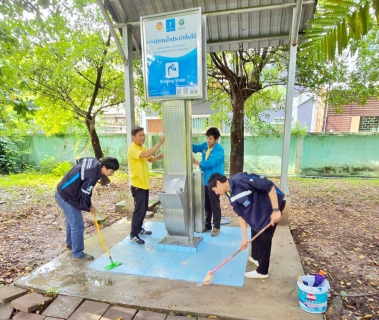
column 319, row 278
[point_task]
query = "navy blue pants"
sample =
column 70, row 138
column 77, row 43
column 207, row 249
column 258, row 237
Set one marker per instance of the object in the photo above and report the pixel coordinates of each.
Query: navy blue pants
column 141, row 203
column 74, row 226
column 212, row 207
column 261, row 246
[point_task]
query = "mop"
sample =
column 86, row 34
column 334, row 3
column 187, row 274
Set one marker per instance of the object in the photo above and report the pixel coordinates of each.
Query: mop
column 209, row 276
column 112, row 264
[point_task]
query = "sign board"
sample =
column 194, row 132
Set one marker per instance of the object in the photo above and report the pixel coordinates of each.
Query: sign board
column 172, row 55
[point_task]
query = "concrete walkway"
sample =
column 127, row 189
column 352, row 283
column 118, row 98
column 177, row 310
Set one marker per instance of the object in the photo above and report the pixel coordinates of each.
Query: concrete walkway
column 272, row 299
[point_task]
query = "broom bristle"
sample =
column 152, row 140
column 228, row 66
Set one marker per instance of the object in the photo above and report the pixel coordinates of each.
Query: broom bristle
column 208, row 278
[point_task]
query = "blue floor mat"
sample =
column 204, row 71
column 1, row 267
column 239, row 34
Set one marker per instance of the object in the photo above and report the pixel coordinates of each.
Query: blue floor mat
column 150, row 261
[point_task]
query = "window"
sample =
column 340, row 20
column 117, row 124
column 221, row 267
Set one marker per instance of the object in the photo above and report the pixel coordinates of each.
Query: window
column 369, row 124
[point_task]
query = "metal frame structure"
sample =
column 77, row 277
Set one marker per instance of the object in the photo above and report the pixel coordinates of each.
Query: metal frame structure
column 231, row 24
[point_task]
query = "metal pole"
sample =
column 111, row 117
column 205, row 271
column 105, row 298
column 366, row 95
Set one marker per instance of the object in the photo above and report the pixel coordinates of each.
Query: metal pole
column 113, row 32
column 289, row 100
column 296, row 22
column 188, row 133
column 128, row 83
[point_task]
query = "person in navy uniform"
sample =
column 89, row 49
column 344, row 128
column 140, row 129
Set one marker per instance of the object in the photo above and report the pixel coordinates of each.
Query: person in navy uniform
column 73, row 195
column 257, row 202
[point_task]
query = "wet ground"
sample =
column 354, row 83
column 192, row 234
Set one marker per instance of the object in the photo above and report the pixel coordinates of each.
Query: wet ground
column 270, row 299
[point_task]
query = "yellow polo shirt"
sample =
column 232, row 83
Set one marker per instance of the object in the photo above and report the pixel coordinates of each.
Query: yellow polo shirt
column 138, row 169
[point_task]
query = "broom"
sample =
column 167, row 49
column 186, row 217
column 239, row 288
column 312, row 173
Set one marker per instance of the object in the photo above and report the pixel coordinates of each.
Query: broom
column 112, row 264
column 209, row 276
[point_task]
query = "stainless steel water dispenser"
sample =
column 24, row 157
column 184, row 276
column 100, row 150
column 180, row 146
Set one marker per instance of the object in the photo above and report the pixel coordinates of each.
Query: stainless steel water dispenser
column 182, row 198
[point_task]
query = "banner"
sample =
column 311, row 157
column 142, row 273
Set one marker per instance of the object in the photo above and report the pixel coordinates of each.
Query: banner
column 172, row 55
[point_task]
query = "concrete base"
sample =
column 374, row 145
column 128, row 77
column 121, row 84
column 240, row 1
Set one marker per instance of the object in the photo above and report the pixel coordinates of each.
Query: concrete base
column 286, row 213
column 271, row 299
column 167, row 243
column 127, row 206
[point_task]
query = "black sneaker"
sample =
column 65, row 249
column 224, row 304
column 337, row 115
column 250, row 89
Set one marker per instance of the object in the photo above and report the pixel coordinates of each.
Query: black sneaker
column 137, row 240
column 84, row 257
column 68, row 247
column 143, row 231
column 206, row 229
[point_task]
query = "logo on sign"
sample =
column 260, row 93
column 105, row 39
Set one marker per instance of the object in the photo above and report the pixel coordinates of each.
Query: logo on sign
column 170, row 25
column 159, row 25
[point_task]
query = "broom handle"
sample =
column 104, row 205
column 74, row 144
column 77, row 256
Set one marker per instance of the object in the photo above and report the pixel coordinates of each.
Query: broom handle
column 100, row 236
column 237, row 252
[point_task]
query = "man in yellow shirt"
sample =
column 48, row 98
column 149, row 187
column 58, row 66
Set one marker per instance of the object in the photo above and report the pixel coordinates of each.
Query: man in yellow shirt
column 138, row 156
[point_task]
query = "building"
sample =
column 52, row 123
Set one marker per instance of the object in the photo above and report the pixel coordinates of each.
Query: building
column 353, row 118
column 201, row 112
column 113, row 120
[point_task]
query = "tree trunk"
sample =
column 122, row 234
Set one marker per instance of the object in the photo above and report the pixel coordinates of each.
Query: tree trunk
column 237, row 136
column 95, row 141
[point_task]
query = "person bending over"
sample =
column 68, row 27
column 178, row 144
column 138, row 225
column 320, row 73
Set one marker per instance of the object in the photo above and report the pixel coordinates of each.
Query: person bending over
column 257, row 202
column 73, row 195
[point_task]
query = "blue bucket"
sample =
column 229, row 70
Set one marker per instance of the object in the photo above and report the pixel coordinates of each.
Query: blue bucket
column 313, row 299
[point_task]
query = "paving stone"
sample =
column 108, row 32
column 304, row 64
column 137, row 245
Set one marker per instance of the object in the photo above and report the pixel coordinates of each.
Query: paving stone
column 121, row 206
column 114, row 313
column 90, row 219
column 89, row 310
column 28, row 316
column 9, row 293
column 50, row 318
column 152, row 204
column 6, row 311
column 63, row 307
column 149, row 214
column 29, row 302
column 147, row 315
column 176, row 317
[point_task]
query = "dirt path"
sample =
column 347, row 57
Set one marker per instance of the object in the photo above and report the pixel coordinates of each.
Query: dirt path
column 335, row 224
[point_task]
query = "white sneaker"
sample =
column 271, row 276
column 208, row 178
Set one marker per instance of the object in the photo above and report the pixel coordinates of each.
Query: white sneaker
column 255, row 275
column 253, row 261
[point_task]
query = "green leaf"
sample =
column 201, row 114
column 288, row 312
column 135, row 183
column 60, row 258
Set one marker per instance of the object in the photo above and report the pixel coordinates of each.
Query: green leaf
column 314, row 30
column 337, row 8
column 344, row 3
column 340, row 39
column 375, row 4
column 343, row 294
column 364, row 13
column 354, row 25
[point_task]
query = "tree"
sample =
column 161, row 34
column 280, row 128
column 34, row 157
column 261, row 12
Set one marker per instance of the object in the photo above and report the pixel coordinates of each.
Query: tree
column 16, row 108
column 352, row 77
column 71, row 68
column 362, row 81
column 334, row 24
column 242, row 74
